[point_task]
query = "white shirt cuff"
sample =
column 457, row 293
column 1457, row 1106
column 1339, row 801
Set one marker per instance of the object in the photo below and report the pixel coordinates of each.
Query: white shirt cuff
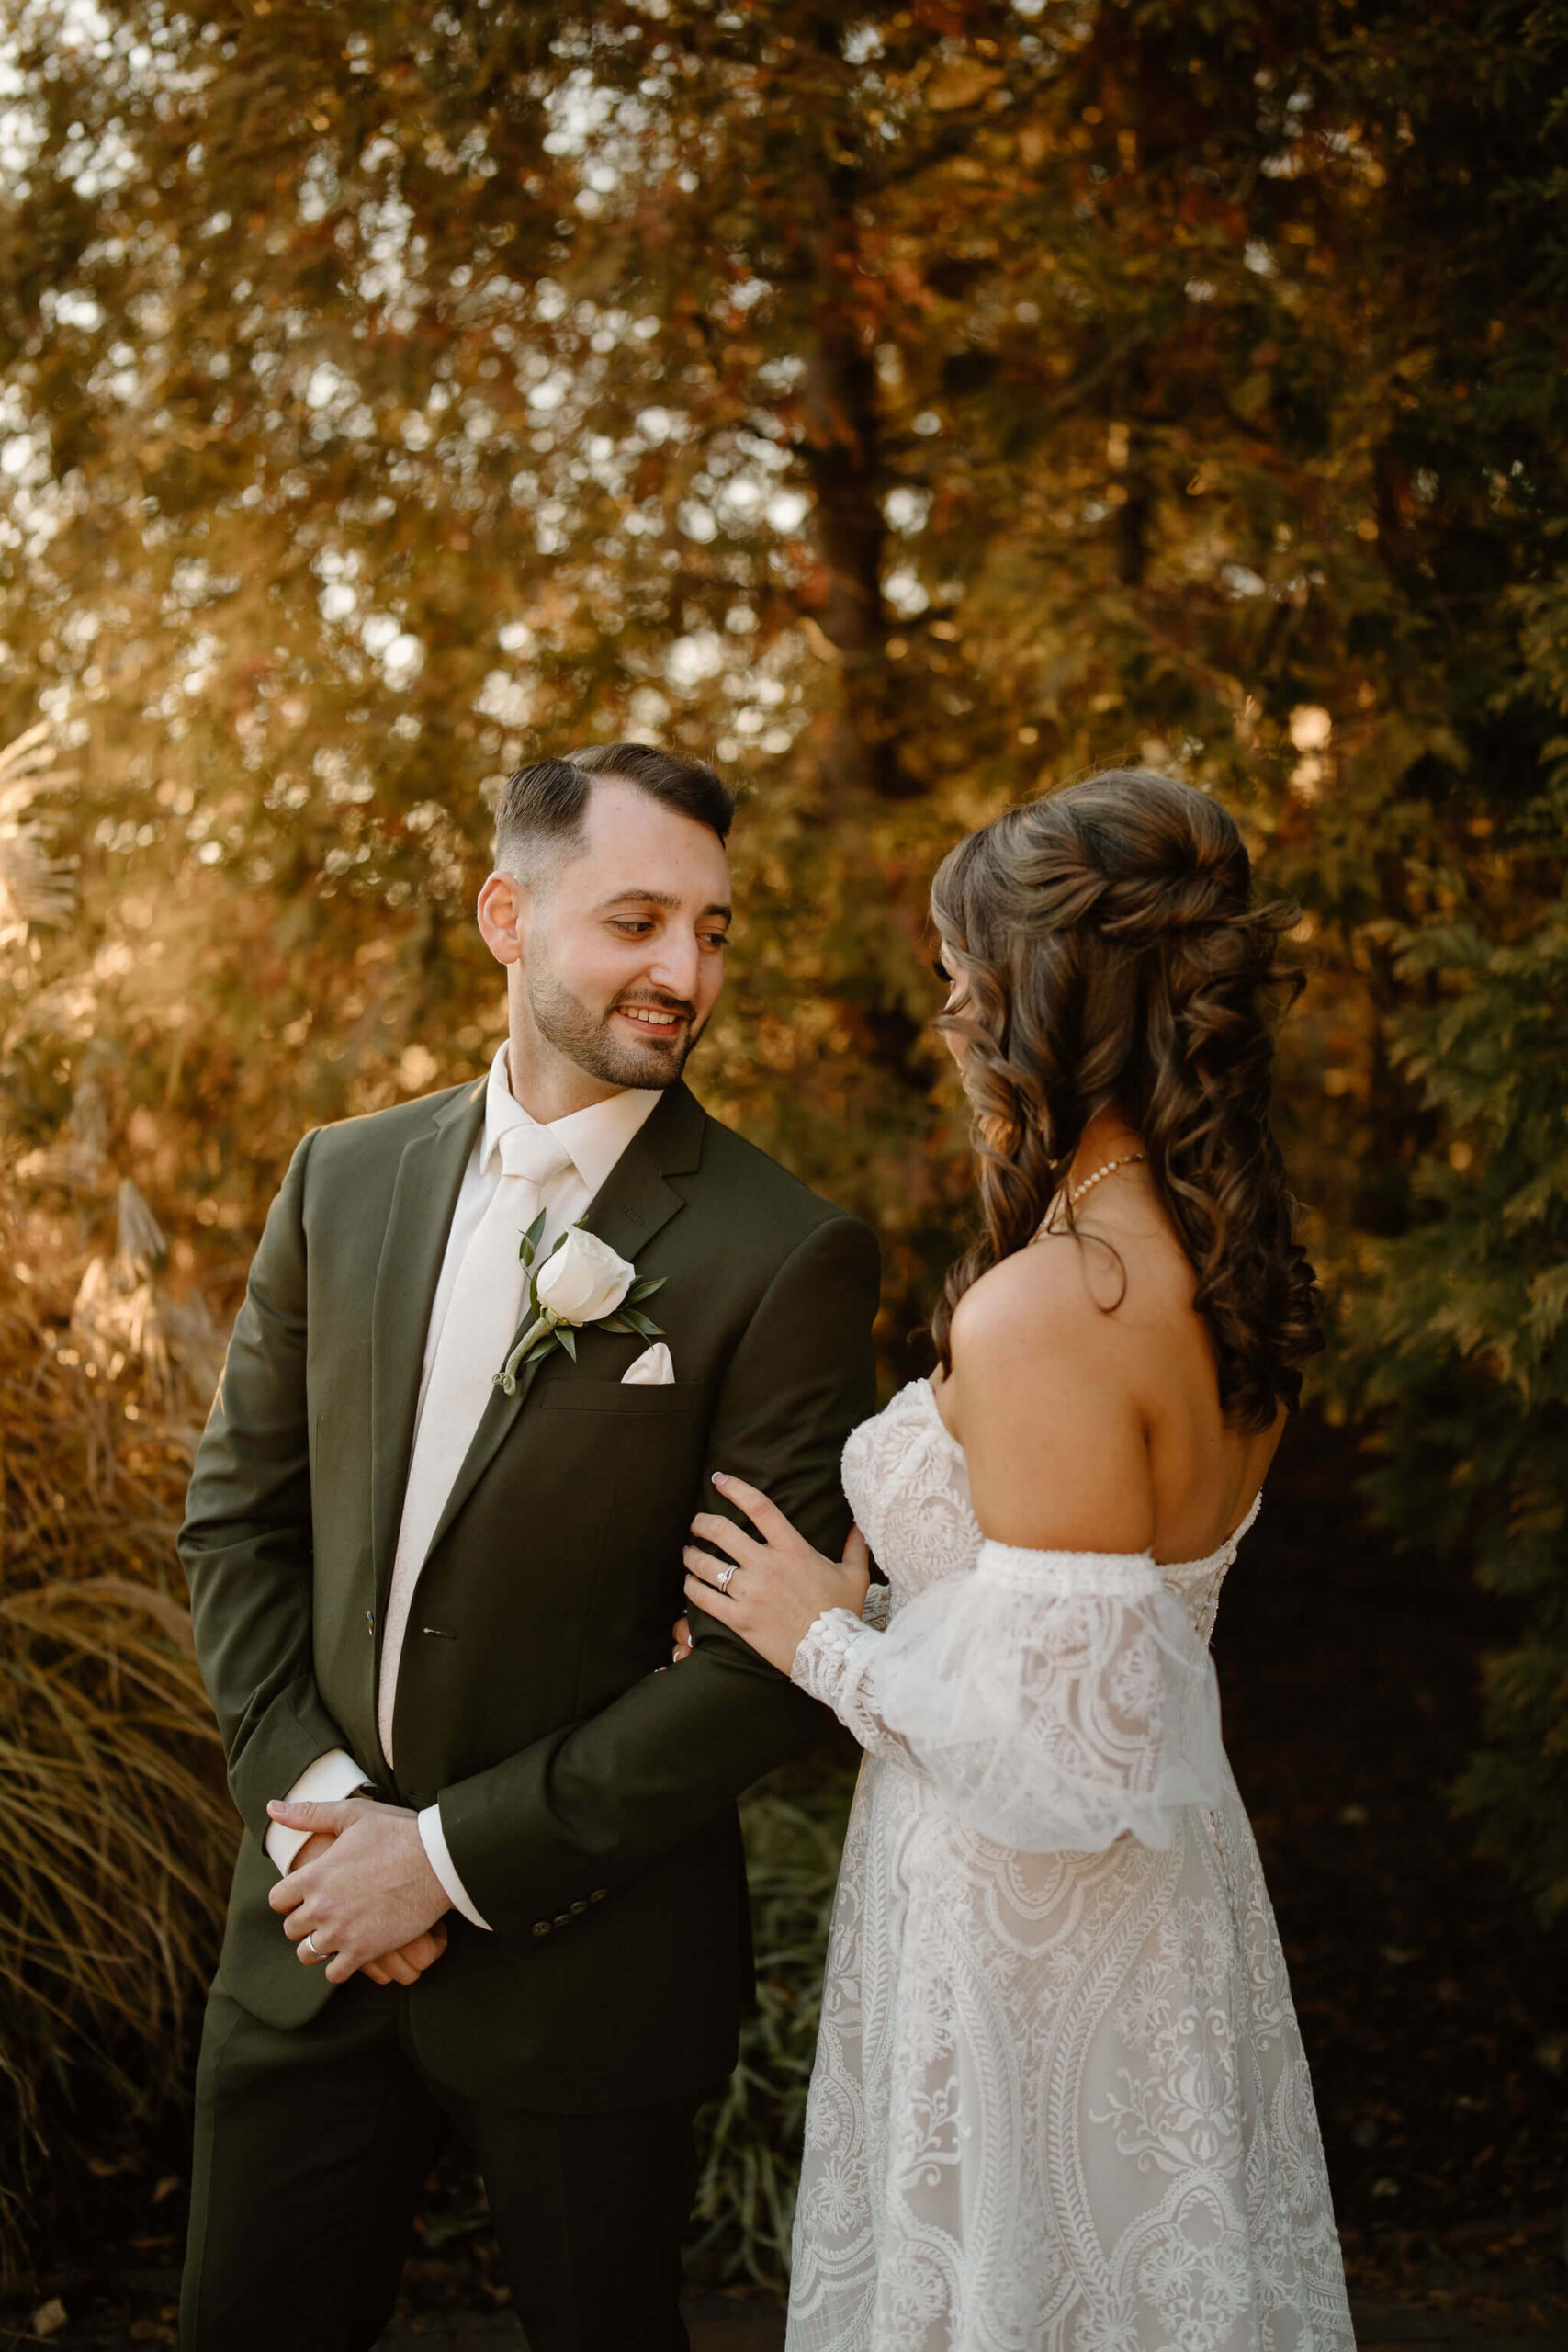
column 331, row 1777
column 438, row 1854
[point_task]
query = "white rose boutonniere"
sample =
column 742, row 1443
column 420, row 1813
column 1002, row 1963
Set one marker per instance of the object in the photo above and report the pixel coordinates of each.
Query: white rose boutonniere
column 581, row 1280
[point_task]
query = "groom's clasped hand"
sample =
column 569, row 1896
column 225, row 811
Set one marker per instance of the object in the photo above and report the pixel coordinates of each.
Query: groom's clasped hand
column 362, row 1898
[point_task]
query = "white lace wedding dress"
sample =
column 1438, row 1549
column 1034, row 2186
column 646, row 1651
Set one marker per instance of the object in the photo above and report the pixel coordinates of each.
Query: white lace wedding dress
column 1060, row 2098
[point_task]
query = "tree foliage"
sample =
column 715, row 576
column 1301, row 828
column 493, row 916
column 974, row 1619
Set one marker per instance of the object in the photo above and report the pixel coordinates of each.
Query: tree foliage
column 1467, row 1354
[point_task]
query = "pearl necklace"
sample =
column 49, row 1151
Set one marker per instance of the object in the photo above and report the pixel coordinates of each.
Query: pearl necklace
column 1078, row 1191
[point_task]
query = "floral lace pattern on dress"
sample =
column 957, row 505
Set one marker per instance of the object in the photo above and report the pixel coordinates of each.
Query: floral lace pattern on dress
column 1060, row 2098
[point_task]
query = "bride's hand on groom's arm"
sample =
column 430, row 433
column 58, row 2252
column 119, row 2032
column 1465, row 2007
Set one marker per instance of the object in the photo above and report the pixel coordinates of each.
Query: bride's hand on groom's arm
column 368, row 1899
column 779, row 1585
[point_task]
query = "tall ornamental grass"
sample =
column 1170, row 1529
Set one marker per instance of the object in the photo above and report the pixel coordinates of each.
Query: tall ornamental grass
column 116, row 1836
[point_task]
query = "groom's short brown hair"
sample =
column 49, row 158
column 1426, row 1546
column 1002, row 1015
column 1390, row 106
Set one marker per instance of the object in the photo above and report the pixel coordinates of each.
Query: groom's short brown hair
column 541, row 812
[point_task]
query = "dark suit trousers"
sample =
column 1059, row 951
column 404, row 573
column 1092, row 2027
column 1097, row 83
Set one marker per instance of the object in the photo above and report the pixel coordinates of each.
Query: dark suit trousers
column 312, row 2146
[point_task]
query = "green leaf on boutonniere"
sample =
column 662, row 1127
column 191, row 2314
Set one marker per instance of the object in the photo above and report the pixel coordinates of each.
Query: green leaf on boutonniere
column 568, row 1338
column 614, row 1323
column 641, row 1325
column 646, row 1289
column 529, row 1247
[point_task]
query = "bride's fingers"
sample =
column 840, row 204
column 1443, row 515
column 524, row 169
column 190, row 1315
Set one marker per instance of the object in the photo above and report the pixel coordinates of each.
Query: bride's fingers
column 764, row 1516
column 708, row 1597
column 703, row 1570
column 733, row 1541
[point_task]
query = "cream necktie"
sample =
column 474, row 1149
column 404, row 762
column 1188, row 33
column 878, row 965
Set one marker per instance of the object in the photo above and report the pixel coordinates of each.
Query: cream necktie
column 480, row 1324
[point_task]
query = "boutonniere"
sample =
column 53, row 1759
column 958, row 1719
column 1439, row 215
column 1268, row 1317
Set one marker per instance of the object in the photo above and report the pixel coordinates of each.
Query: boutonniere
column 580, row 1280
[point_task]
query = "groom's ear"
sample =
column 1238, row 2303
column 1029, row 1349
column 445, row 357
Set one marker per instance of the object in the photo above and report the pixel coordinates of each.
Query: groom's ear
column 500, row 918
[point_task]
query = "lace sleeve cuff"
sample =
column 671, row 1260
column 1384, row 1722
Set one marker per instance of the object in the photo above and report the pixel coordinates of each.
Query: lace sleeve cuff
column 833, row 1663
column 878, row 1600
column 824, row 1658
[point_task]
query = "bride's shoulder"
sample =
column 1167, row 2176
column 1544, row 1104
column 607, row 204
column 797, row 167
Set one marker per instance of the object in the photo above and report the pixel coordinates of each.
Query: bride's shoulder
column 1040, row 1288
column 1043, row 1404
column 1024, row 1321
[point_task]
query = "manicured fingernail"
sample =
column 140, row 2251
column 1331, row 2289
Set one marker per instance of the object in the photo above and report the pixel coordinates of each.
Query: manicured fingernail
column 273, row 1805
column 721, row 1478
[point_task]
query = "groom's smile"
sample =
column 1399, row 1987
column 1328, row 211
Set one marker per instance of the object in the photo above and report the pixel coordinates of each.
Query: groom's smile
column 651, row 1016
column 663, row 1023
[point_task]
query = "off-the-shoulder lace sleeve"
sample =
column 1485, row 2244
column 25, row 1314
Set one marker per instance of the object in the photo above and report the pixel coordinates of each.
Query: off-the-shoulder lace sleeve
column 1057, row 1700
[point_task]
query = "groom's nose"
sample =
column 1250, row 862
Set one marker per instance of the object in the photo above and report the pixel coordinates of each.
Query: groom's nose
column 675, row 968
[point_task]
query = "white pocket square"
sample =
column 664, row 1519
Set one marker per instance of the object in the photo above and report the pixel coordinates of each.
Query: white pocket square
column 653, row 1369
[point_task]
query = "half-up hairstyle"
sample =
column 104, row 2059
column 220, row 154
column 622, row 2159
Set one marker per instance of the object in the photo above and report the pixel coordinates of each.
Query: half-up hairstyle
column 1113, row 956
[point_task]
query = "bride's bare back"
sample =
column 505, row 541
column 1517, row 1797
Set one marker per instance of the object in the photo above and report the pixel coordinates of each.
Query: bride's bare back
column 1085, row 1394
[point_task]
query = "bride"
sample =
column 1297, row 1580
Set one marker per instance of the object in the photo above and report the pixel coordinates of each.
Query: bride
column 1060, row 2098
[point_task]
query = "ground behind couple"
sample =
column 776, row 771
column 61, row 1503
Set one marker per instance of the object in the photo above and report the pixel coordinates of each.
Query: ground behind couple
column 736, row 2327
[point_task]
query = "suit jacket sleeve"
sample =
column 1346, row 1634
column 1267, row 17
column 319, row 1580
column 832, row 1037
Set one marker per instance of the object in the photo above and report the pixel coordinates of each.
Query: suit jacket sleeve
column 598, row 1801
column 245, row 1546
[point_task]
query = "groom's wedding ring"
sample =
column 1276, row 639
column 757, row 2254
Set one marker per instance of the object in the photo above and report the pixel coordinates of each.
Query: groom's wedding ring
column 315, row 1948
column 722, row 1579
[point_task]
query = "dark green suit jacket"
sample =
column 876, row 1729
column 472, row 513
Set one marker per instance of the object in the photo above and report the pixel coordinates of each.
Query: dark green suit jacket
column 587, row 1801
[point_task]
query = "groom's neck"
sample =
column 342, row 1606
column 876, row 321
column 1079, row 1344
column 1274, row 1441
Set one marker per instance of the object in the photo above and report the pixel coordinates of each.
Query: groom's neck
column 545, row 1083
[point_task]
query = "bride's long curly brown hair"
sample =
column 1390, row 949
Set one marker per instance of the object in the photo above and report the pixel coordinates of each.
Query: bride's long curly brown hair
column 1111, row 957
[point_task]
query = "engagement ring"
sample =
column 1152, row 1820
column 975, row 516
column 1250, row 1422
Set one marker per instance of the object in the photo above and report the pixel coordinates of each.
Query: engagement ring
column 722, row 1579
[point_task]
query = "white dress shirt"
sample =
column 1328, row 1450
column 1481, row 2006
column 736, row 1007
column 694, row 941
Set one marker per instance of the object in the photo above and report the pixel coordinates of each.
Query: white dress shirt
column 595, row 1138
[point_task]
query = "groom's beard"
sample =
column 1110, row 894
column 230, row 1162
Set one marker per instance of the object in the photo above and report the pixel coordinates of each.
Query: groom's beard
column 590, row 1038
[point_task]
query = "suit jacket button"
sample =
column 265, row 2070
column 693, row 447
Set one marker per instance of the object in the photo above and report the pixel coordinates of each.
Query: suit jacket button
column 541, row 1927
column 563, row 1919
column 599, row 1894
column 577, row 1909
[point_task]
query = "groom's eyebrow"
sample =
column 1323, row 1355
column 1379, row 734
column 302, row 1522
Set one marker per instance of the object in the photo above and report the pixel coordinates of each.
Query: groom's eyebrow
column 663, row 899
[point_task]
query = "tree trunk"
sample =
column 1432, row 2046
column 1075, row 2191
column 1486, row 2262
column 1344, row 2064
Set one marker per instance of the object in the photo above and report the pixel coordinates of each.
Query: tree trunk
column 841, row 452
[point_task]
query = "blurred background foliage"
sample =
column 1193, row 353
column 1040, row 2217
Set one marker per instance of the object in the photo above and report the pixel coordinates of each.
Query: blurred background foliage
column 911, row 408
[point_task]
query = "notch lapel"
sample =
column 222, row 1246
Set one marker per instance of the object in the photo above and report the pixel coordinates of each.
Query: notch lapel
column 429, row 1174
column 632, row 1205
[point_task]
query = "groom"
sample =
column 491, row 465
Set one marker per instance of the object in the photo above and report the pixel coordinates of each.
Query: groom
column 530, row 1927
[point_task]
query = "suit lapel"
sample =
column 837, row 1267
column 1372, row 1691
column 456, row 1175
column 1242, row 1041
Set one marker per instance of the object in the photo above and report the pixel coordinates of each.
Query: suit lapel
column 635, row 1201
column 423, row 1197
column 632, row 1205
